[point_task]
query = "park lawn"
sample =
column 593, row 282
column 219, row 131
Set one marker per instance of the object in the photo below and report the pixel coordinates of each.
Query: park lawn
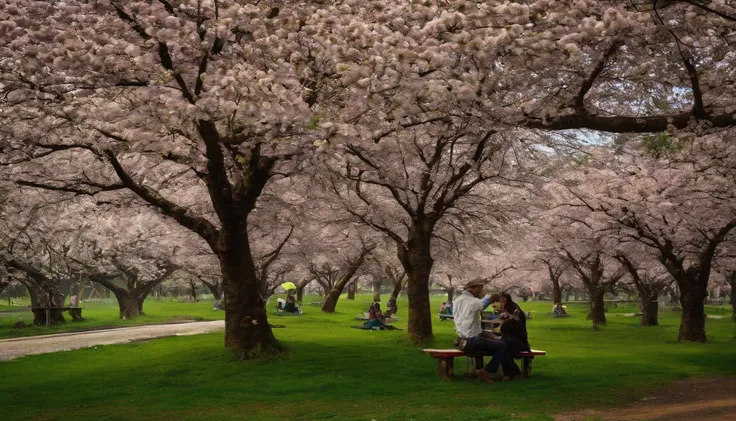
column 335, row 372
column 104, row 314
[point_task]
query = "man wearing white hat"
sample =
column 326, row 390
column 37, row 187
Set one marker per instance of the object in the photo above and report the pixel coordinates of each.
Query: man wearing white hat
column 466, row 309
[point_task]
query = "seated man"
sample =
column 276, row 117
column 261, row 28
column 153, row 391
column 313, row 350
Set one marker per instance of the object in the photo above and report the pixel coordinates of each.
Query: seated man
column 443, row 308
column 467, row 308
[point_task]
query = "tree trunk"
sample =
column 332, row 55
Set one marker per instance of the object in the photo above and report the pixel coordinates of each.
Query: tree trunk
column 556, row 291
column 141, row 300
column 597, row 308
column 334, row 295
column 416, row 258
column 214, row 289
column 128, row 304
column 732, row 282
column 351, row 290
column 692, row 322
column 376, row 292
column 450, row 294
column 299, row 294
column 649, row 308
column 247, row 331
column 397, row 289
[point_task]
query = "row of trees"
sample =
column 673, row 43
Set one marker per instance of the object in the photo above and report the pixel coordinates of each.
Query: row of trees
column 431, row 121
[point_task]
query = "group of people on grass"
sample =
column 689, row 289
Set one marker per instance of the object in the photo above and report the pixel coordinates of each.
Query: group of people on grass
column 471, row 338
column 377, row 319
column 289, row 305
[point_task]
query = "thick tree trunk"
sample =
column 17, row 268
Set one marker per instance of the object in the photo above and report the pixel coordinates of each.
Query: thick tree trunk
column 397, row 290
column 128, row 304
column 556, row 291
column 334, row 295
column 732, row 282
column 597, row 308
column 32, row 294
column 299, row 294
column 351, row 290
column 692, row 322
column 376, row 292
column 417, row 261
column 450, row 294
column 649, row 308
column 214, row 289
column 247, row 331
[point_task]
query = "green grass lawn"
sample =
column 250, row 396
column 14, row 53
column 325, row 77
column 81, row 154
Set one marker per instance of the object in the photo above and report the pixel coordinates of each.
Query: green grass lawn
column 100, row 314
column 334, row 372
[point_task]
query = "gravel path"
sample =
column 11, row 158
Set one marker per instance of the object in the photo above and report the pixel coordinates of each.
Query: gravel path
column 702, row 399
column 18, row 347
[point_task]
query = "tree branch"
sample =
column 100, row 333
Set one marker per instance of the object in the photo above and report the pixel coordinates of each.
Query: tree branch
column 200, row 226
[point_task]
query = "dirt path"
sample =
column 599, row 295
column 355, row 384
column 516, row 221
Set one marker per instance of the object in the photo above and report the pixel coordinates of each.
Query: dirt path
column 18, row 347
column 712, row 399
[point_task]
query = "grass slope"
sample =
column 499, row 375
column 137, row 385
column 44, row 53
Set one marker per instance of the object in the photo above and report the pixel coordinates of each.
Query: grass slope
column 335, row 372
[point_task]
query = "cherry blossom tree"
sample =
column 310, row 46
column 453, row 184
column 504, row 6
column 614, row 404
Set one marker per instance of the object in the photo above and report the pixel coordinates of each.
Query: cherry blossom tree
column 677, row 203
column 649, row 279
column 422, row 99
column 217, row 91
column 556, row 267
column 725, row 264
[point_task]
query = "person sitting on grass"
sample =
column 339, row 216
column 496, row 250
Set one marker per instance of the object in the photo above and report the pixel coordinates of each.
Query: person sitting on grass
column 376, row 319
column 443, row 308
column 467, row 308
column 290, row 306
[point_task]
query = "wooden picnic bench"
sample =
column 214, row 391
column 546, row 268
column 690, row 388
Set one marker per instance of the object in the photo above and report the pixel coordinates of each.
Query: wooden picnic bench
column 446, row 360
column 75, row 312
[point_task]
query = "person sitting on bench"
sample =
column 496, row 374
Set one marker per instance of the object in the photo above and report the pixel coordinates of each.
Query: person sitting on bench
column 513, row 334
column 467, row 308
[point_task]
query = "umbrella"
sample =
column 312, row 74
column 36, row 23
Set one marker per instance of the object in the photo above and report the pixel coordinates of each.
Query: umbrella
column 288, row 285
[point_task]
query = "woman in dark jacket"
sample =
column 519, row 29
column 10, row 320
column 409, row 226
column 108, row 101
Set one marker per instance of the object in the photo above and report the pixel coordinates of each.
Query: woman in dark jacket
column 513, row 333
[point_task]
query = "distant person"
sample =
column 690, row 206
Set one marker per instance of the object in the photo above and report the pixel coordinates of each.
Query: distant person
column 466, row 309
column 74, row 301
column 376, row 318
column 443, row 308
column 290, row 306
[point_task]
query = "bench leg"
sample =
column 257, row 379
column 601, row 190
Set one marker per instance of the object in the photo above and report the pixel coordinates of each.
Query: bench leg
column 526, row 370
column 445, row 367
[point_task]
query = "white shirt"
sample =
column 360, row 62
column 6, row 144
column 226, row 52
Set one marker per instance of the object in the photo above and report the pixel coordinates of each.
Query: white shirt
column 466, row 310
